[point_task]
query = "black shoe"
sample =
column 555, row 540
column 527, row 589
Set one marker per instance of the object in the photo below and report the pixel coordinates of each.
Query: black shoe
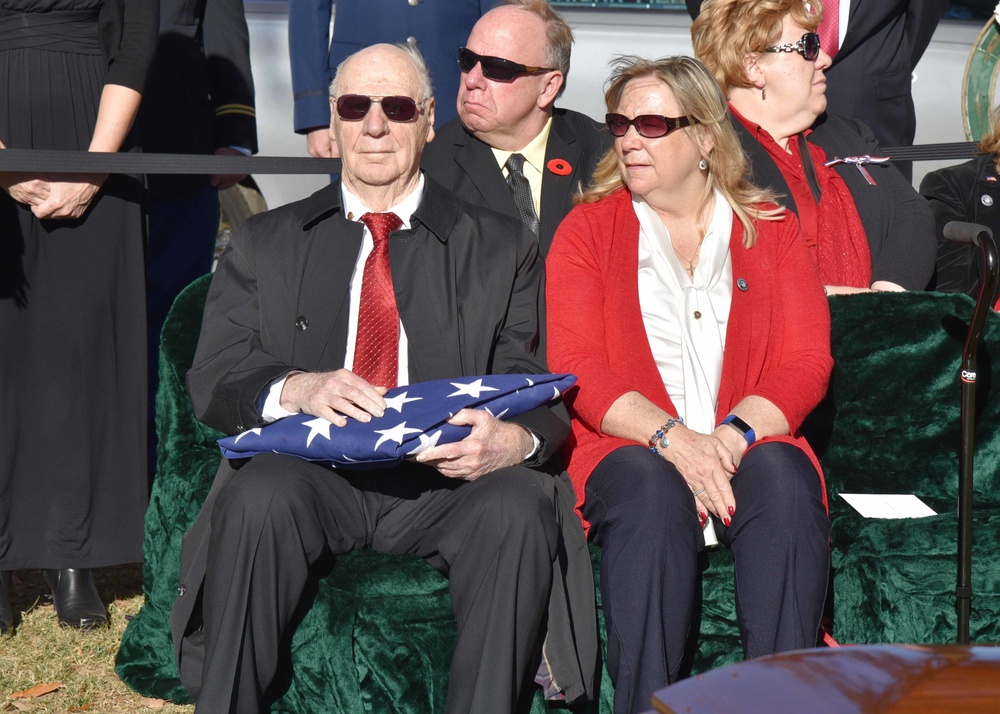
column 75, row 597
column 6, row 612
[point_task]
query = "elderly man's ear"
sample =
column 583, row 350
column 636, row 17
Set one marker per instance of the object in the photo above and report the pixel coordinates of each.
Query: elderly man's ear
column 430, row 120
column 553, row 83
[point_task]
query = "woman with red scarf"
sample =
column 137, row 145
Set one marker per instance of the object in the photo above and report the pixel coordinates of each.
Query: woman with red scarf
column 865, row 225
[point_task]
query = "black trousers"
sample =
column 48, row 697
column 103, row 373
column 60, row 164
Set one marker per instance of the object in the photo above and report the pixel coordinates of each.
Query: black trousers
column 495, row 538
column 644, row 517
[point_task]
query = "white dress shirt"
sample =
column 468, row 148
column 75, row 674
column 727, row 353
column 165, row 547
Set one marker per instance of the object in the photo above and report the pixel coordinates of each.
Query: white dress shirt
column 353, row 209
column 686, row 320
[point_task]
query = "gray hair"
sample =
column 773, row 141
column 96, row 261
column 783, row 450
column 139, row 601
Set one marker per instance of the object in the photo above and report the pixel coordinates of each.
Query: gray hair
column 558, row 35
column 416, row 59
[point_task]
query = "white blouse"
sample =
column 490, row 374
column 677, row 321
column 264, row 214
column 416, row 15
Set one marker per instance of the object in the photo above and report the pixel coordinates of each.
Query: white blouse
column 686, row 320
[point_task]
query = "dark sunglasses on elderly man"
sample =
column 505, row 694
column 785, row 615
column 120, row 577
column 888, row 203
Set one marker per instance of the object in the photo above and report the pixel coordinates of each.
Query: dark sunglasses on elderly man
column 354, row 107
column 496, row 68
column 651, row 126
column 807, row 46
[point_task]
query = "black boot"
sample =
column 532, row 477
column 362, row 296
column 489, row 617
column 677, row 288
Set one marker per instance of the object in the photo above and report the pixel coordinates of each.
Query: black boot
column 6, row 611
column 75, row 597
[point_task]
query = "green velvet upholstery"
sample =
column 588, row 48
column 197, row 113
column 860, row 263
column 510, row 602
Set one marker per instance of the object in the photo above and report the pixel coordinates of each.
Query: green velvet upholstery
column 378, row 633
column 894, row 428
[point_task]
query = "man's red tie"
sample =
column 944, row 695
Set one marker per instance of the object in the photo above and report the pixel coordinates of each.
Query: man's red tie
column 376, row 353
column 829, row 29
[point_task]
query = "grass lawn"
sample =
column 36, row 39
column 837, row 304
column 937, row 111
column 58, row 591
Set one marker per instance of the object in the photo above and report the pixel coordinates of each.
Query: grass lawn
column 42, row 653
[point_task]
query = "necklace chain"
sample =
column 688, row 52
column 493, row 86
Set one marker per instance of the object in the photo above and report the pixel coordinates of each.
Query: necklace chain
column 690, row 262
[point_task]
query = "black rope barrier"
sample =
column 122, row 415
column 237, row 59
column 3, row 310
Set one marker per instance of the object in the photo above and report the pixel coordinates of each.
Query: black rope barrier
column 42, row 161
column 933, row 152
column 93, row 162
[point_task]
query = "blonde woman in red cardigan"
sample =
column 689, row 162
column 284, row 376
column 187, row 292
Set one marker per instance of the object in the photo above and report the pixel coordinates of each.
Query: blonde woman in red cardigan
column 687, row 305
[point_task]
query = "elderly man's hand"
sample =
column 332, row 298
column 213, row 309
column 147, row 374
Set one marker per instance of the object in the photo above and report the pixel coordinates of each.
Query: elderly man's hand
column 492, row 445
column 333, row 396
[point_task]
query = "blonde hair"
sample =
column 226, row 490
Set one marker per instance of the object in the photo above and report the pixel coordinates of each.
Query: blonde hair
column 727, row 31
column 701, row 100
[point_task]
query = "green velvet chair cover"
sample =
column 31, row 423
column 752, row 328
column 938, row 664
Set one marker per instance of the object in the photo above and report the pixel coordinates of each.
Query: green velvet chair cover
column 377, row 633
column 891, row 424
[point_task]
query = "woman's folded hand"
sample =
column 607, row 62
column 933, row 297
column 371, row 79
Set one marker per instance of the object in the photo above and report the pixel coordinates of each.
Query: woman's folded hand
column 70, row 197
column 706, row 464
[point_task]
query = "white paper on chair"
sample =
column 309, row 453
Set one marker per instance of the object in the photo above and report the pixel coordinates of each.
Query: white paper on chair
column 888, row 505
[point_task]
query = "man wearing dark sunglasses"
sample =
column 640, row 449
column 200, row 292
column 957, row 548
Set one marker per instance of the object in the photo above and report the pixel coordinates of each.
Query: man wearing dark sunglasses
column 514, row 66
column 382, row 278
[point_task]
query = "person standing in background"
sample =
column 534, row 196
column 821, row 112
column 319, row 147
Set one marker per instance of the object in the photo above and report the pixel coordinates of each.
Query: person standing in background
column 874, row 45
column 435, row 27
column 73, row 350
column 200, row 100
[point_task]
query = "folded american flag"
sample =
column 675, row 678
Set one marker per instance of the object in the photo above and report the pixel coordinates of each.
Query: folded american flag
column 415, row 419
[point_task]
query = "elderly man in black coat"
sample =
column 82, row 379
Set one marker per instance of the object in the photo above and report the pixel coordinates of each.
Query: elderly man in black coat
column 381, row 278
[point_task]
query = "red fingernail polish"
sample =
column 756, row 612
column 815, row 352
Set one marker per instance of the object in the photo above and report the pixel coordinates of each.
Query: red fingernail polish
column 732, row 510
column 726, row 521
column 703, row 516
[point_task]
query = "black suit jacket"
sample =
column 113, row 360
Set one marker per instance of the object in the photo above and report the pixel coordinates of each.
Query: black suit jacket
column 466, row 167
column 896, row 219
column 966, row 192
column 870, row 78
column 467, row 284
column 200, row 95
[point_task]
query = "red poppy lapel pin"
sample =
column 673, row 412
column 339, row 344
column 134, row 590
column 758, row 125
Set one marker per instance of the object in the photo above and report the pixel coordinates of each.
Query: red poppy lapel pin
column 560, row 167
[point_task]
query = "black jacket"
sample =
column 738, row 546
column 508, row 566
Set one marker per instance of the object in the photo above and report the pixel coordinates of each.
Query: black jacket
column 467, row 284
column 466, row 166
column 200, row 96
column 966, row 192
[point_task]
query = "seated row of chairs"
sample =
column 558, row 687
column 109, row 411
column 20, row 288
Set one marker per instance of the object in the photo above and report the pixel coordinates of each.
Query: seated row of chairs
column 378, row 633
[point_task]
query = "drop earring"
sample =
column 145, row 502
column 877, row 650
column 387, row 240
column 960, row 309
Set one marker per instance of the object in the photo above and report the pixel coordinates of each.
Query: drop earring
column 703, row 164
column 763, row 94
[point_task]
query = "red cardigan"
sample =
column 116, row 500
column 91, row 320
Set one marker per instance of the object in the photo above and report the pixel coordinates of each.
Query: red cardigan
column 777, row 340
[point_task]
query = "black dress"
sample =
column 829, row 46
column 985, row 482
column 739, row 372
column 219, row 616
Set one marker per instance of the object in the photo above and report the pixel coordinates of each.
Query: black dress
column 73, row 477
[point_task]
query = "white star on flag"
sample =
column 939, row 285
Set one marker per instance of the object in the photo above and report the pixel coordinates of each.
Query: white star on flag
column 423, row 418
column 426, row 442
column 319, row 426
column 473, row 389
column 396, row 433
column 398, row 401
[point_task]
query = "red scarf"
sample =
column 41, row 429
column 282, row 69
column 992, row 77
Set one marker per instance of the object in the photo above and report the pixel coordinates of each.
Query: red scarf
column 840, row 250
